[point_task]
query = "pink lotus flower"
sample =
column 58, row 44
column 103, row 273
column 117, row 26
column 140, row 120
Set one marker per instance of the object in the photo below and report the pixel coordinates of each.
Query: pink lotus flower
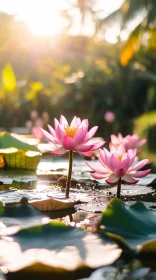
column 129, row 142
column 28, row 124
column 34, row 114
column 118, row 164
column 75, row 137
column 109, row 116
column 36, row 131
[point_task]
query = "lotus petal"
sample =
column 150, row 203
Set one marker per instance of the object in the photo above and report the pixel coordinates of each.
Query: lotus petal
column 129, row 179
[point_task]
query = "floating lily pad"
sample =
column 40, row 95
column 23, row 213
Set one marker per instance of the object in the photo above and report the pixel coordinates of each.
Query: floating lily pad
column 136, row 223
column 53, row 249
column 49, row 204
column 53, row 204
column 20, row 214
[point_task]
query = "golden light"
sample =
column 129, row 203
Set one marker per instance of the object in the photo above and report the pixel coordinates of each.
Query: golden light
column 45, row 20
column 41, row 16
column 111, row 35
column 46, row 28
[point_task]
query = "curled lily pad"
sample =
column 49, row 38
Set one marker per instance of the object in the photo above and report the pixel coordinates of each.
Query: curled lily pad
column 54, row 249
column 19, row 159
column 149, row 246
column 44, row 205
column 7, row 140
column 18, row 154
column 53, row 204
column 136, row 223
column 147, row 254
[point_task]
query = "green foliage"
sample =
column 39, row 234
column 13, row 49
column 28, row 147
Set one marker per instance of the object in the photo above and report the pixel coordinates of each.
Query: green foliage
column 8, row 78
column 145, row 127
column 36, row 86
column 131, row 46
column 76, row 71
column 130, row 11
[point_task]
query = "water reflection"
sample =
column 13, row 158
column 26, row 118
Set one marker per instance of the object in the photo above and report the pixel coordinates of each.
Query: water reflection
column 130, row 271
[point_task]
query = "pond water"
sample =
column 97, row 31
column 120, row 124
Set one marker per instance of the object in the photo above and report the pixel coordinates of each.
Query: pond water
column 93, row 196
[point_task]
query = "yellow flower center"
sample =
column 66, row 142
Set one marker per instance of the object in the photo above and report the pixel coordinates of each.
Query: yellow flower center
column 70, row 131
column 120, row 157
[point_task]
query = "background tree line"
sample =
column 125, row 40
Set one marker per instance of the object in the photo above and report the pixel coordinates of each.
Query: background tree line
column 80, row 75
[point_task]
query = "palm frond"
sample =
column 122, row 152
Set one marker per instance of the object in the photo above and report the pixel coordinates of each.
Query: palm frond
column 152, row 17
column 108, row 20
column 131, row 46
column 152, row 39
column 64, row 14
column 132, row 8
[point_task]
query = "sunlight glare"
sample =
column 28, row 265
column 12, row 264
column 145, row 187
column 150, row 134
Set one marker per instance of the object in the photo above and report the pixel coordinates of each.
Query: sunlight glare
column 50, row 25
column 112, row 34
column 42, row 17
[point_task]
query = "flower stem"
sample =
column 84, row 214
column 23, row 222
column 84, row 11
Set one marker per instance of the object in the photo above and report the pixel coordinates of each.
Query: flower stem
column 118, row 188
column 68, row 185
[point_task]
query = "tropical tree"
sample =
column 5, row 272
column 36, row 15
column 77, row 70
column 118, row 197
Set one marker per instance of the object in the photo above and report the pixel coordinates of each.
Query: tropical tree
column 141, row 14
column 87, row 10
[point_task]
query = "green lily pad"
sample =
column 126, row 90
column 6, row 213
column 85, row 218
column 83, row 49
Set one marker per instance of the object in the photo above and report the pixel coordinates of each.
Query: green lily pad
column 53, row 249
column 20, row 214
column 9, row 141
column 136, row 223
column 147, row 254
column 148, row 247
column 17, row 154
